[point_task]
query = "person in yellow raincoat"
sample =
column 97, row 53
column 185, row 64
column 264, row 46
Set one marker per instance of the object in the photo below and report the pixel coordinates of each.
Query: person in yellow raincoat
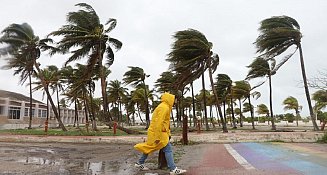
column 158, row 135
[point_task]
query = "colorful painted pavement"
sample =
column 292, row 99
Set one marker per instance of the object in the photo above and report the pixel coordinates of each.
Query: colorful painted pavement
column 262, row 158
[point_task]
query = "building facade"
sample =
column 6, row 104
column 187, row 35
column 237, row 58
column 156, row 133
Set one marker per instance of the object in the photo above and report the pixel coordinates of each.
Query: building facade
column 14, row 112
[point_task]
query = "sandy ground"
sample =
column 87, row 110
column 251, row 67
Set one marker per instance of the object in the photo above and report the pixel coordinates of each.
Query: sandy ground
column 65, row 158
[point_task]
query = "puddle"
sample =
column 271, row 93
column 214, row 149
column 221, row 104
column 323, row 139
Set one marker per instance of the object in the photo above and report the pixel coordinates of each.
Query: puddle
column 91, row 168
column 38, row 160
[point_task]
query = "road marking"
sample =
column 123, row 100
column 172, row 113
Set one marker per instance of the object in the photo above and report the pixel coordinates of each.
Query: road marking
column 239, row 158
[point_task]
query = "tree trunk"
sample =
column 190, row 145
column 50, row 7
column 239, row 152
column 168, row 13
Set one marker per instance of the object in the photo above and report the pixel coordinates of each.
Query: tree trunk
column 94, row 125
column 204, row 102
column 232, row 110
column 61, row 125
column 193, row 104
column 147, row 112
column 240, row 103
column 251, row 111
column 31, row 101
column 185, row 129
column 58, row 101
column 86, row 113
column 217, row 99
column 307, row 93
column 273, row 126
column 76, row 114
column 162, row 162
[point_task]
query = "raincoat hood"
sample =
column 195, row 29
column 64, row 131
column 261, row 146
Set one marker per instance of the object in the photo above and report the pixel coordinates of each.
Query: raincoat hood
column 168, row 98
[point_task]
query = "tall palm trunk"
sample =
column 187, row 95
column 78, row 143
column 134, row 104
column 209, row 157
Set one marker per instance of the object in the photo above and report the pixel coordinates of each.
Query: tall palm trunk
column 297, row 117
column 204, row 102
column 61, row 125
column 58, row 101
column 193, row 105
column 273, row 126
column 217, row 99
column 251, row 111
column 147, row 112
column 232, row 110
column 307, row 93
column 86, row 113
column 103, row 83
column 76, row 110
column 241, row 115
column 31, row 101
column 94, row 124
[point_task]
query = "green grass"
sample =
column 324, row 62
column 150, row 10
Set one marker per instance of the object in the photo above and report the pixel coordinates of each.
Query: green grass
column 58, row 132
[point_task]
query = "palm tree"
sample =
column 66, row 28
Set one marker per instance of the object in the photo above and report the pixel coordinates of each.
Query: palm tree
column 165, row 83
column 24, row 67
column 89, row 38
column 320, row 97
column 262, row 109
column 261, row 68
column 277, row 34
column 50, row 74
column 223, row 85
column 291, row 103
column 241, row 90
column 21, row 43
column 191, row 56
column 136, row 77
column 117, row 92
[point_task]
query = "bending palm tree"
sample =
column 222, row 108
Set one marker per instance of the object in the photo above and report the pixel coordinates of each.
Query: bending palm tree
column 291, row 103
column 136, row 77
column 191, row 55
column 22, row 43
column 277, row 34
column 261, row 68
column 85, row 32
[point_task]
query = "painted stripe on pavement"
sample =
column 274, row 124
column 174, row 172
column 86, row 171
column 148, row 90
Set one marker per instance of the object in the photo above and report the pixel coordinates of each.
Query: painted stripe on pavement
column 238, row 158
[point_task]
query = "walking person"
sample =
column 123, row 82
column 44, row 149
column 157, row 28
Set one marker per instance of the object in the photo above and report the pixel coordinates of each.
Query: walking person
column 158, row 135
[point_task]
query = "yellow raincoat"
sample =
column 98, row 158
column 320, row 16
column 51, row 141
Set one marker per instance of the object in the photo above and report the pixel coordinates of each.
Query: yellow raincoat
column 159, row 128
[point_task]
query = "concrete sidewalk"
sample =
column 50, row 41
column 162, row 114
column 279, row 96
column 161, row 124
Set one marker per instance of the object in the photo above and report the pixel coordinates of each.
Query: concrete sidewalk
column 212, row 137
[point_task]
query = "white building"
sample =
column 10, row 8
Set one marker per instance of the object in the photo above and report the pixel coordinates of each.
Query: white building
column 14, row 112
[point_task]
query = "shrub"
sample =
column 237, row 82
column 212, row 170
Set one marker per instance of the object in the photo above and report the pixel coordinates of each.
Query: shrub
column 324, row 138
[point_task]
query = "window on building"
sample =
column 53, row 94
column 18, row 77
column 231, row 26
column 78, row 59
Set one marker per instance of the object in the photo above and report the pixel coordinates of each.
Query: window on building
column 14, row 113
column 44, row 113
column 26, row 112
column 33, row 112
column 39, row 113
column 2, row 110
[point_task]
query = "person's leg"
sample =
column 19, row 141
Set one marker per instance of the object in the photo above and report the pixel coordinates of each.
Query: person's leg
column 169, row 156
column 140, row 163
column 143, row 158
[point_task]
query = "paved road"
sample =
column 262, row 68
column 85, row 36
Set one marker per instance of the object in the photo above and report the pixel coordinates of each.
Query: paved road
column 260, row 158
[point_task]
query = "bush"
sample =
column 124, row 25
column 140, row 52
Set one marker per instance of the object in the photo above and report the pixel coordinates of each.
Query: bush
column 323, row 139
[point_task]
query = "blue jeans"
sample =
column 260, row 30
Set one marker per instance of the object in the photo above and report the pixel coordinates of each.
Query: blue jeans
column 168, row 154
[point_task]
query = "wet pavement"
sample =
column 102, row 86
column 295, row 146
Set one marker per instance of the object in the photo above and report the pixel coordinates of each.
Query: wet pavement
column 213, row 154
column 66, row 159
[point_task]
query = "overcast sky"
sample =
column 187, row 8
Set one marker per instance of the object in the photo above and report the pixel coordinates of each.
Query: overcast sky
column 145, row 27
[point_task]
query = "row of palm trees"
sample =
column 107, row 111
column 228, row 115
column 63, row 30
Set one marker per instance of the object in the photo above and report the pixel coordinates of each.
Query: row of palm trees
column 191, row 56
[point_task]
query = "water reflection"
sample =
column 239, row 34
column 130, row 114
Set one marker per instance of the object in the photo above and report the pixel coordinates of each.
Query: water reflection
column 58, row 161
column 38, row 161
column 90, row 168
